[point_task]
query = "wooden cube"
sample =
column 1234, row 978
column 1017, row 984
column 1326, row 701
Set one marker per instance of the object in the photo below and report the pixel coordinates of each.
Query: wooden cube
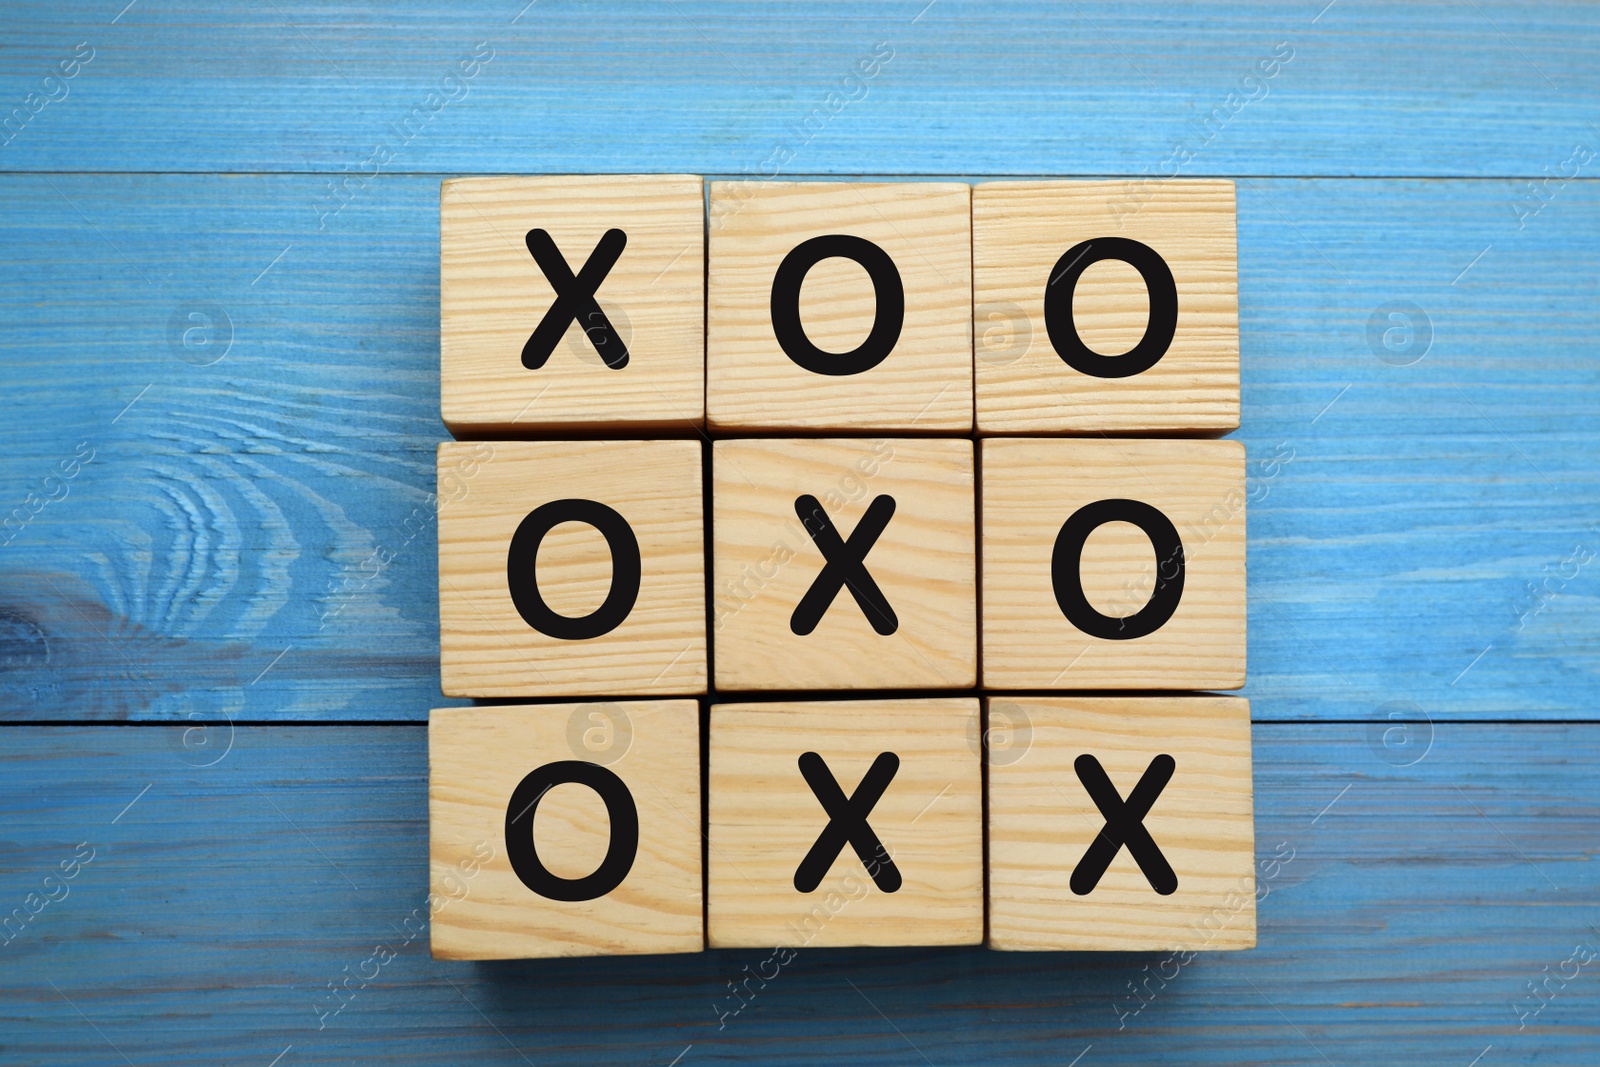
column 840, row 306
column 844, row 564
column 1113, row 564
column 1106, row 306
column 1123, row 823
column 571, row 568
column 565, row 830
column 840, row 823
column 571, row 303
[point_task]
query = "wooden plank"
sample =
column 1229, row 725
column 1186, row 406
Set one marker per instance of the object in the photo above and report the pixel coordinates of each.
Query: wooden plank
column 270, row 494
column 245, row 510
column 706, row 85
column 1405, row 909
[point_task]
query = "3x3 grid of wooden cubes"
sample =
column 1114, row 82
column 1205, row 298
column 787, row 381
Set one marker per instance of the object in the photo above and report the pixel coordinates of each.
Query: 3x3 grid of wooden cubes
column 859, row 553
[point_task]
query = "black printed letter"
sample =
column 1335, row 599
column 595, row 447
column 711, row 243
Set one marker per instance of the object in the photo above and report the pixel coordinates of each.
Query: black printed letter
column 524, row 853
column 575, row 300
column 846, row 566
column 1158, row 331
column 786, row 304
column 521, row 577
column 847, row 822
column 1124, row 825
column 1068, row 582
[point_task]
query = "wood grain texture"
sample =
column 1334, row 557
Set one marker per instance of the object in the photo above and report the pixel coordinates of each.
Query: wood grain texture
column 492, row 295
column 477, row 757
column 763, row 818
column 487, row 646
column 1042, row 820
column 1032, row 487
column 922, row 383
column 712, row 86
column 253, row 539
column 1031, row 238
column 1405, row 909
column 242, row 509
column 765, row 562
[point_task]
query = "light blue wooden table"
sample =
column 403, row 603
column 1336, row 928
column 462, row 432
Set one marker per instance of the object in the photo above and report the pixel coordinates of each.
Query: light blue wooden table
column 219, row 378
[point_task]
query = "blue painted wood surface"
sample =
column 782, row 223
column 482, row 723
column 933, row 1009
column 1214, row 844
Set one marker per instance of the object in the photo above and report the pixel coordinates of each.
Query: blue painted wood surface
column 1482, row 89
column 233, row 513
column 1420, row 535
column 1414, row 906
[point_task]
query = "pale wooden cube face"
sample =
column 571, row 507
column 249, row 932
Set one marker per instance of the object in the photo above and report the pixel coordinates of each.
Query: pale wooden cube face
column 1072, row 587
column 765, row 820
column 840, row 255
column 1095, row 269
column 541, row 597
column 494, row 295
column 1055, row 880
column 913, row 498
column 596, row 805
